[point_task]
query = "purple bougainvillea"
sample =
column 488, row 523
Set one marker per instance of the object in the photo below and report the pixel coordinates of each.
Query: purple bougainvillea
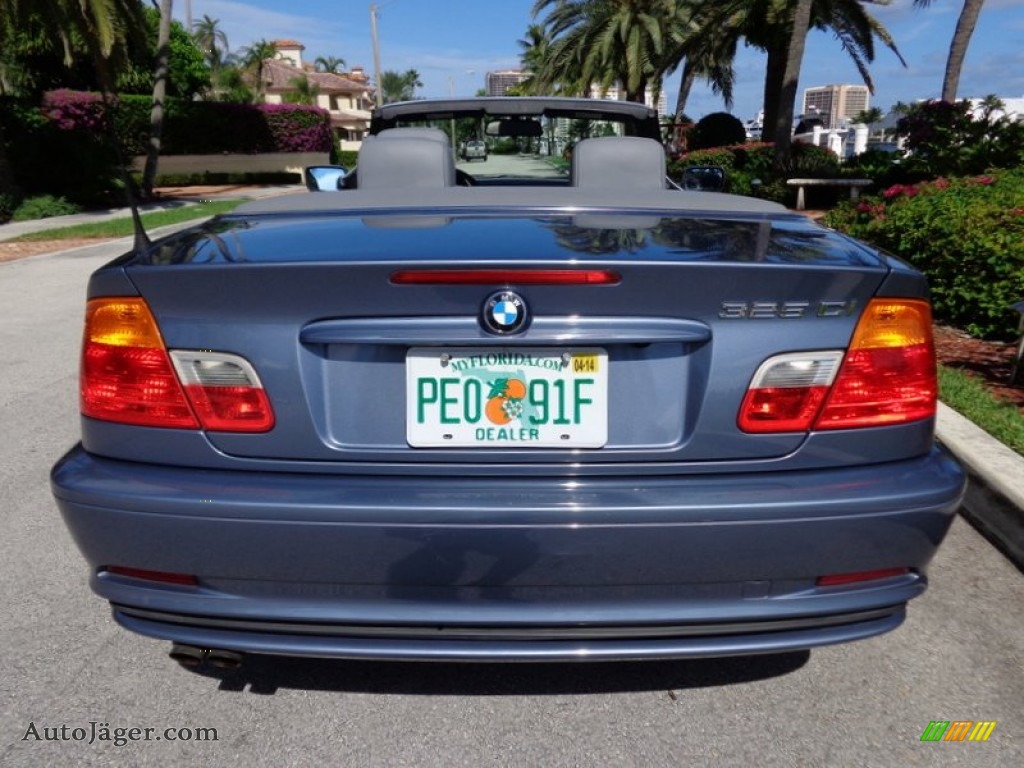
column 74, row 110
column 196, row 127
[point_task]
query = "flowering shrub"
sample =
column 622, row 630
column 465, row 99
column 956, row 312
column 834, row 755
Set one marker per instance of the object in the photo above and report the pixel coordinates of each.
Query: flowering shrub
column 296, row 128
column 754, row 161
column 966, row 235
column 74, row 110
column 195, row 127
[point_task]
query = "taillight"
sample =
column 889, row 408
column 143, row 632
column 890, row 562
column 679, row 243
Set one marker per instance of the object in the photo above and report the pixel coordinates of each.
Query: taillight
column 129, row 377
column 887, row 376
column 224, row 390
column 787, row 392
column 126, row 374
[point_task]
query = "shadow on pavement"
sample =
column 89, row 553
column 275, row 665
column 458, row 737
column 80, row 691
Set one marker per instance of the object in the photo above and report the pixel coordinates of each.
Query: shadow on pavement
column 265, row 675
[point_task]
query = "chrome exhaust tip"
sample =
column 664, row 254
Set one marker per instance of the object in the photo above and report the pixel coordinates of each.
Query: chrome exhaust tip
column 187, row 655
column 225, row 660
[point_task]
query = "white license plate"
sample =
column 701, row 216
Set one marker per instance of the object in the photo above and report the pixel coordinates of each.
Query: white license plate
column 506, row 398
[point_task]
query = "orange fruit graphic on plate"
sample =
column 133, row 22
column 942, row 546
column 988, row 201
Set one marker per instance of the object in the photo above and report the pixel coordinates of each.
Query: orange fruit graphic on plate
column 505, row 400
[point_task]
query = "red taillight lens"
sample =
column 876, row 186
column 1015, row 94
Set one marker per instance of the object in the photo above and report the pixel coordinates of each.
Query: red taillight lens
column 129, row 377
column 888, row 376
column 505, row 277
column 126, row 374
column 224, row 390
column 787, row 392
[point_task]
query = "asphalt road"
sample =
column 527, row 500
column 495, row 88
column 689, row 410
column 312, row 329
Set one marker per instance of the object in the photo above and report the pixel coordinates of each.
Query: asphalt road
column 960, row 656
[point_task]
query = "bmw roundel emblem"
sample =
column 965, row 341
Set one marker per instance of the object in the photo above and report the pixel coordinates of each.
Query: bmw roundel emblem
column 504, row 312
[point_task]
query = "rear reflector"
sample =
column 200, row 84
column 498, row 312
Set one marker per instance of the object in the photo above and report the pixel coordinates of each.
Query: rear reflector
column 838, row 579
column 505, row 277
column 164, row 577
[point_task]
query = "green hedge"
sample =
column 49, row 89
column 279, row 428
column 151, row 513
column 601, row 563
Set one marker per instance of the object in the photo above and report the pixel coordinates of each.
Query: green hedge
column 750, row 170
column 966, row 235
column 61, row 147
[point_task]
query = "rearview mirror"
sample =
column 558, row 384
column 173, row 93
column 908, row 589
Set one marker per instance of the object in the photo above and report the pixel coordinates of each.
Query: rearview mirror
column 515, row 127
column 705, row 178
column 324, row 178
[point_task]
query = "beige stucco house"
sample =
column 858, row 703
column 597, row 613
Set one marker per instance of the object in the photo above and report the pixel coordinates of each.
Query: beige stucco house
column 347, row 97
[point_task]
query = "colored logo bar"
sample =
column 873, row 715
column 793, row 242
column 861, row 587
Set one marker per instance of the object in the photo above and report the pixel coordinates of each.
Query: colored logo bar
column 958, row 730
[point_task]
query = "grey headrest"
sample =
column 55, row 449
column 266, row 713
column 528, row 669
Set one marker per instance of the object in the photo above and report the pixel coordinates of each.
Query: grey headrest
column 620, row 162
column 407, row 158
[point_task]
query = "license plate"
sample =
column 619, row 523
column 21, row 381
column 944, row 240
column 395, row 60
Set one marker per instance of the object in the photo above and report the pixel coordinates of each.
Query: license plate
column 506, row 398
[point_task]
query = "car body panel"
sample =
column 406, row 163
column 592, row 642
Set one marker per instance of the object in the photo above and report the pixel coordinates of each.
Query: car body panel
column 489, row 553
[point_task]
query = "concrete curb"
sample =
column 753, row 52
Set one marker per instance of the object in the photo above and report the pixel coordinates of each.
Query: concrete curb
column 994, row 503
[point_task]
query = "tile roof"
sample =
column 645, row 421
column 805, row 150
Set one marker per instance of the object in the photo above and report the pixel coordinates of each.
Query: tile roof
column 278, row 74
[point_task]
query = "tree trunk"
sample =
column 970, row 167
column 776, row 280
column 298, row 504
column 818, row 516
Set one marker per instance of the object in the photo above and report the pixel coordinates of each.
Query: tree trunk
column 8, row 186
column 782, row 126
column 685, row 84
column 958, row 48
column 775, row 70
column 156, row 115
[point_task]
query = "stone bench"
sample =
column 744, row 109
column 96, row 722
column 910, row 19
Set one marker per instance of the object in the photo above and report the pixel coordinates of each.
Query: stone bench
column 854, row 185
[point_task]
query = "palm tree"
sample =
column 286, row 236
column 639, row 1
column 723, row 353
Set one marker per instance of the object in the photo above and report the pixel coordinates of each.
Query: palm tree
column 534, row 51
column 105, row 27
column 399, row 87
column 782, row 128
column 304, row 91
column 331, row 64
column 601, row 42
column 869, row 116
column 211, row 41
column 767, row 24
column 156, row 115
column 965, row 25
column 253, row 58
column 708, row 53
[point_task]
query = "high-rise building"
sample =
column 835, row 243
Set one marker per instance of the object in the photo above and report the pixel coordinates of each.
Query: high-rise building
column 836, row 103
column 500, row 81
column 618, row 93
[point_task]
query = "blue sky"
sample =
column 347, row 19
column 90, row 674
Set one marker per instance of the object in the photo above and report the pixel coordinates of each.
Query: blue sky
column 453, row 43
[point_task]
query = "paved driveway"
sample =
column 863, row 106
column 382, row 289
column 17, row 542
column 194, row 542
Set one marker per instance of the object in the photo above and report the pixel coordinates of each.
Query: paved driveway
column 960, row 656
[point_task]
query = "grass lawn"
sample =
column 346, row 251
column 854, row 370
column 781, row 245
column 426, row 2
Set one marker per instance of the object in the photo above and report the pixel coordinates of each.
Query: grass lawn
column 123, row 227
column 969, row 397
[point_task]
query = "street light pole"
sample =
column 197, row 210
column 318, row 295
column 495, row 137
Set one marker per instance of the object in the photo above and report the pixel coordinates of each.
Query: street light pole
column 376, row 53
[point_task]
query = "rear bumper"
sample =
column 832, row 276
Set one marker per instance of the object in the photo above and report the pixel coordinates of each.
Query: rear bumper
column 507, row 568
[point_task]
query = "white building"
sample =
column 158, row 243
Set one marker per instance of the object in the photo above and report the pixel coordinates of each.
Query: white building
column 347, row 97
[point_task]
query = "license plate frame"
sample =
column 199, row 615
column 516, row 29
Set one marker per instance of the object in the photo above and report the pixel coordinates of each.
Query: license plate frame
column 560, row 399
